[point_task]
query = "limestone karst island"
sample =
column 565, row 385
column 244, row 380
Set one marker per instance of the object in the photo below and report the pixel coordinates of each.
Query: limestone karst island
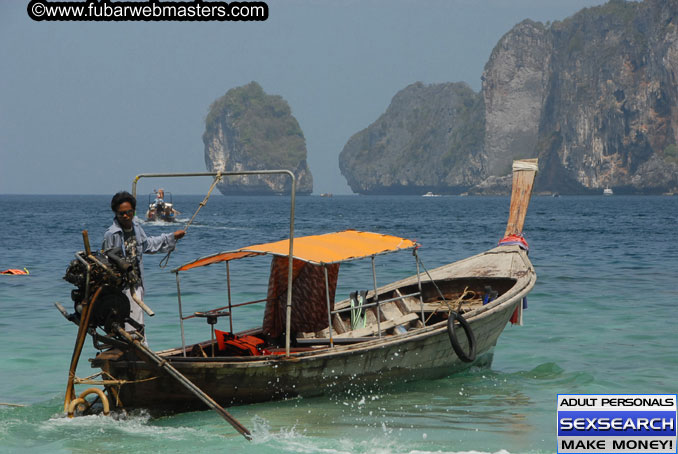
column 594, row 97
column 246, row 129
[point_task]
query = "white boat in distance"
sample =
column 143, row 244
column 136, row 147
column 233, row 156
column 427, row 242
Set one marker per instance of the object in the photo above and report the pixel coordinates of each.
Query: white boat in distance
column 430, row 194
column 608, row 191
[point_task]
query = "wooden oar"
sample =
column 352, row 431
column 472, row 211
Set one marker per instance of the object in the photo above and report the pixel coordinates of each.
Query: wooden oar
column 524, row 172
column 150, row 357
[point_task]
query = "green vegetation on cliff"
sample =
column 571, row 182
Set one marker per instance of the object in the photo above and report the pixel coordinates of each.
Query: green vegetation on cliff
column 265, row 129
column 421, row 143
column 471, row 116
column 671, row 153
column 247, row 129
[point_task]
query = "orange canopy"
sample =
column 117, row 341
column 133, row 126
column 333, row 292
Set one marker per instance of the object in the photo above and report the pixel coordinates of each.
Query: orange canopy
column 317, row 249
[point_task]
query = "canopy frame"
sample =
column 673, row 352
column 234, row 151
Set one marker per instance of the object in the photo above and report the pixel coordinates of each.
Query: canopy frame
column 392, row 244
column 290, row 174
column 272, row 249
column 375, row 302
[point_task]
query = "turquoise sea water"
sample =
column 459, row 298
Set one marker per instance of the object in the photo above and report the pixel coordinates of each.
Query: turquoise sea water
column 601, row 319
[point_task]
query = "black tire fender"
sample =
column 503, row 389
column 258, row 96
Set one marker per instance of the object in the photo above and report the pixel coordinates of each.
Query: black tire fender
column 471, row 356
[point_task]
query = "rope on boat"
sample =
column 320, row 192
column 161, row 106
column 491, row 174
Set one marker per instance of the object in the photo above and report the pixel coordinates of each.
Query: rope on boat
column 450, row 304
column 431, row 279
column 455, row 315
column 114, row 389
column 217, row 179
column 112, row 382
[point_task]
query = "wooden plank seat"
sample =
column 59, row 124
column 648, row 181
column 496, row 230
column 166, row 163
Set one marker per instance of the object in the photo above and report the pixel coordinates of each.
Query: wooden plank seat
column 392, row 314
column 370, row 330
column 414, row 305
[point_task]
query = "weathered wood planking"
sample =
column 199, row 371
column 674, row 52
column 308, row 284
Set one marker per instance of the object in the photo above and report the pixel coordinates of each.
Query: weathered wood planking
column 423, row 352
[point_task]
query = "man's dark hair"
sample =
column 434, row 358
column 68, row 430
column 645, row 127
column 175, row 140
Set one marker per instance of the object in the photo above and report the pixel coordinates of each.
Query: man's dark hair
column 122, row 197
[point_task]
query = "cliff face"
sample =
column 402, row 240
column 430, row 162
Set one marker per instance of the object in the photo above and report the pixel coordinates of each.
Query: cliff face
column 246, row 129
column 515, row 87
column 594, row 97
column 608, row 114
column 429, row 139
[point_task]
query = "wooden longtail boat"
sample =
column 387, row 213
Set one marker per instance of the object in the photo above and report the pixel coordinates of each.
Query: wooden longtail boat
column 429, row 325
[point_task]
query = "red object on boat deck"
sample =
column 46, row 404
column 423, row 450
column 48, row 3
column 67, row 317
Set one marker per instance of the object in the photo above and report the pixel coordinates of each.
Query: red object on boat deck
column 14, row 271
column 240, row 345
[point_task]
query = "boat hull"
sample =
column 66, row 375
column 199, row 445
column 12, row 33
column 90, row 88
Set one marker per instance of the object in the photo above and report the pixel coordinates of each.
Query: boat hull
column 165, row 212
column 423, row 353
column 150, row 216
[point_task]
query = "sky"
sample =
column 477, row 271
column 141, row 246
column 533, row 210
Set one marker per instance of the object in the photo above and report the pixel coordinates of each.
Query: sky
column 86, row 106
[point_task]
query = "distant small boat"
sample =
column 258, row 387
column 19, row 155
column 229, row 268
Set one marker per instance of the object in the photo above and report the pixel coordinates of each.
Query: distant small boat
column 430, row 194
column 326, row 194
column 608, row 191
column 159, row 209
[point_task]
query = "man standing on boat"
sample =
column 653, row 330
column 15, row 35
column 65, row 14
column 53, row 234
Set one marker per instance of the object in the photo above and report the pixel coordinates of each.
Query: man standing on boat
column 126, row 233
column 159, row 196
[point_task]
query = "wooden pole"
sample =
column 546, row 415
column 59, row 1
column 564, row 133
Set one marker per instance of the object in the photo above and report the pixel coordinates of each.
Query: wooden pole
column 150, row 357
column 524, row 172
column 79, row 342
column 230, row 308
column 82, row 333
column 85, row 238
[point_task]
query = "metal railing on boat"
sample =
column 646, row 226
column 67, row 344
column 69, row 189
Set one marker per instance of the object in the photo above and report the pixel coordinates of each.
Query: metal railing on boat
column 376, row 303
column 219, row 175
column 291, row 246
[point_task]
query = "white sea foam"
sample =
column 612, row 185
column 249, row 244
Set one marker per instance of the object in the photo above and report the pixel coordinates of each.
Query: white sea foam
column 291, row 439
column 180, row 223
column 125, row 425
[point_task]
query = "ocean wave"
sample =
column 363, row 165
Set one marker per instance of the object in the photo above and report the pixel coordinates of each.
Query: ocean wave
column 137, row 424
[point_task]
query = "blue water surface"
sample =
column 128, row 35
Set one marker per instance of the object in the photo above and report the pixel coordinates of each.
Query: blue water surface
column 601, row 319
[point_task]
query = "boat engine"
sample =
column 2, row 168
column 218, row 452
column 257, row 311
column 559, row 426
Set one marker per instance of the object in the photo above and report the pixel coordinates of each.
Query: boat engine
column 111, row 272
